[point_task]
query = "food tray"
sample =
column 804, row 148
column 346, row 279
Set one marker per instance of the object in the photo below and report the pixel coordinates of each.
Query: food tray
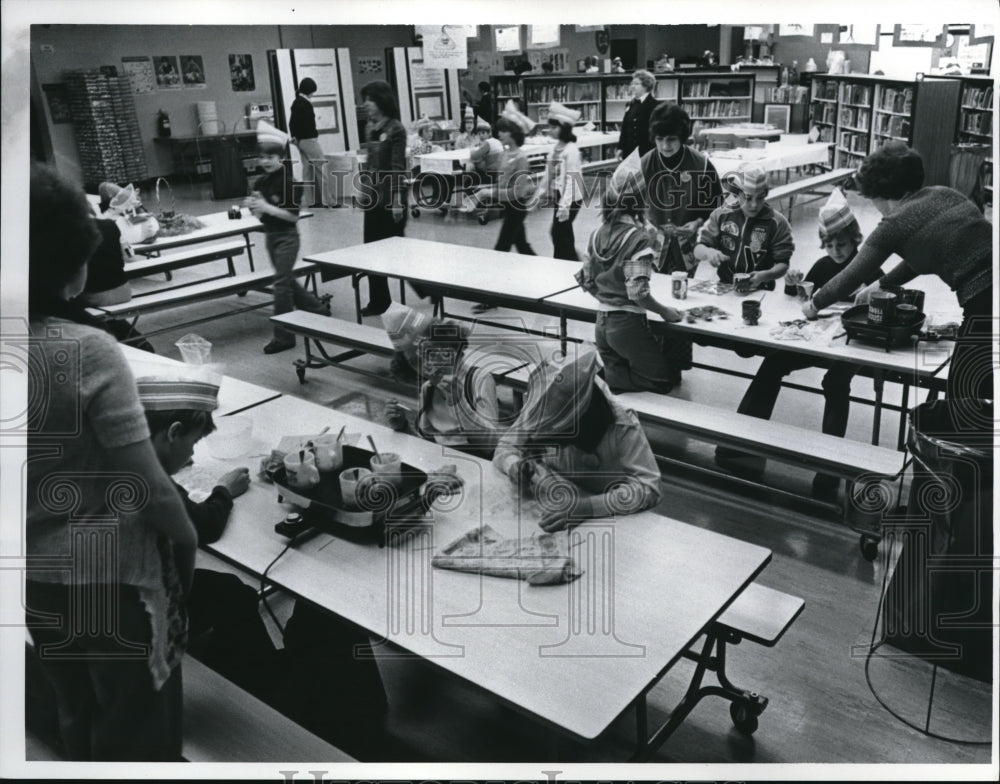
column 857, row 327
column 323, row 504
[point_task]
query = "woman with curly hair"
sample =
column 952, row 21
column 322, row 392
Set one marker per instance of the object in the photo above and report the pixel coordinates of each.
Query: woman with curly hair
column 936, row 231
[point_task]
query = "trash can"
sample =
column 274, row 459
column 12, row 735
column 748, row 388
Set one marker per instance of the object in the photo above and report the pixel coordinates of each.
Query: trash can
column 938, row 602
column 229, row 180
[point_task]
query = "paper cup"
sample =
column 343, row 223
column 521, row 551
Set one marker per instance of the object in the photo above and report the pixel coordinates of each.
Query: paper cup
column 350, row 480
column 806, row 290
column 329, row 453
column 751, row 312
column 388, row 466
column 301, row 471
column 679, row 284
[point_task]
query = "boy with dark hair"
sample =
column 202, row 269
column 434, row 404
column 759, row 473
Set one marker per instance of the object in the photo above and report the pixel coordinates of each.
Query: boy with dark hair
column 272, row 204
column 745, row 235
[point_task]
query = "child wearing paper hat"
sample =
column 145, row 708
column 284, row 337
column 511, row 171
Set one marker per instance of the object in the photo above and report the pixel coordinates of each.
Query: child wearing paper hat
column 573, row 429
column 745, row 234
column 224, row 623
column 563, row 179
column 457, row 402
column 272, row 203
column 840, row 236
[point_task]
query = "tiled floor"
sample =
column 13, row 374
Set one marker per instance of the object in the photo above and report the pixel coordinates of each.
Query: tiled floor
column 821, row 709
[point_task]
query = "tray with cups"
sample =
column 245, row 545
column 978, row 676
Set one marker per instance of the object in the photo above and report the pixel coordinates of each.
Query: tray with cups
column 343, row 489
column 891, row 318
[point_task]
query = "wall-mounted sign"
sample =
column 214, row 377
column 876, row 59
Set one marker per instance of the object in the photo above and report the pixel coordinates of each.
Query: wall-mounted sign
column 444, row 46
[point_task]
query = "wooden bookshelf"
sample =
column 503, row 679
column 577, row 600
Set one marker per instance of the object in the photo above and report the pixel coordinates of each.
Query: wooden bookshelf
column 717, row 99
column 504, row 88
column 582, row 93
column 860, row 113
column 617, row 97
column 974, row 122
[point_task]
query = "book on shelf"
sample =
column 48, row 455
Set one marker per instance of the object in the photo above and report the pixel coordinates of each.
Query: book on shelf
column 854, row 142
column 897, row 100
column 825, row 91
column 977, row 98
column 856, row 94
column 978, row 123
column 564, row 93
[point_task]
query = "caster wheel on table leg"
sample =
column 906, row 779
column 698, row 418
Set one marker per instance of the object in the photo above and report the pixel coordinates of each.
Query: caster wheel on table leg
column 743, row 718
column 483, row 220
column 415, row 212
column 869, row 548
column 300, row 371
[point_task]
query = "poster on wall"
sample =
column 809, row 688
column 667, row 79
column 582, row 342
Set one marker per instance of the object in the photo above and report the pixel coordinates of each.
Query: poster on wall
column 369, row 65
column 918, row 35
column 139, row 71
column 58, row 99
column 444, row 46
column 193, row 71
column 862, row 35
column 168, row 72
column 785, row 30
column 241, row 72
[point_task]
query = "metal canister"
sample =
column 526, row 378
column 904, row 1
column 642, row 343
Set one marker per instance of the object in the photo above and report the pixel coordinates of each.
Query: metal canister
column 679, row 283
column 882, row 308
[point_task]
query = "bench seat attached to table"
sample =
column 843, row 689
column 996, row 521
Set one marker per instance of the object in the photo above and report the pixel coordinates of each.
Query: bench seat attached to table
column 317, row 330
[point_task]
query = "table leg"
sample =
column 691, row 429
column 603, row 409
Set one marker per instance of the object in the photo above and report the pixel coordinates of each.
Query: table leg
column 878, row 379
column 901, row 438
column 246, row 239
column 562, row 331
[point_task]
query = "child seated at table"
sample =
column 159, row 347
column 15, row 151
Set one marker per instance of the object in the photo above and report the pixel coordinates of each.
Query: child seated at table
column 225, row 629
column 617, row 272
column 486, row 155
column 745, row 234
column 420, row 142
column 572, row 429
column 840, row 236
column 457, row 404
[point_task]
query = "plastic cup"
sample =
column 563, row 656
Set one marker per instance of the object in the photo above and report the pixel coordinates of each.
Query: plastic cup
column 300, row 470
column 806, row 290
column 232, row 437
column 195, row 350
column 792, row 281
column 329, row 452
column 679, row 284
column 350, row 480
column 741, row 282
column 389, row 466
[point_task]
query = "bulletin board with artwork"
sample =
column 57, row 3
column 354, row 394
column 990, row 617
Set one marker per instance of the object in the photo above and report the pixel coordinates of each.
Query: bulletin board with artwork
column 139, row 71
column 241, row 73
column 421, row 91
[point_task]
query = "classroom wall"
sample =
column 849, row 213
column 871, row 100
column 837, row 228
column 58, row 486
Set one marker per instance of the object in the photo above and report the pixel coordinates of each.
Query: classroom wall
column 75, row 47
column 790, row 48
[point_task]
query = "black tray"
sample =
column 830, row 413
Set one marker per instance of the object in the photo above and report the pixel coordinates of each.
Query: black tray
column 857, row 327
column 323, row 506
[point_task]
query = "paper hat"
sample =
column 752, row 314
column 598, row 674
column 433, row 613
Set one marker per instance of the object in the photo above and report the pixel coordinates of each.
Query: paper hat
column 482, row 125
column 628, row 179
column 563, row 114
column 751, row 180
column 405, row 326
column 835, row 215
column 469, row 113
column 125, row 199
column 165, row 387
column 108, row 190
column 559, row 393
column 512, row 114
column 424, row 122
column 268, row 134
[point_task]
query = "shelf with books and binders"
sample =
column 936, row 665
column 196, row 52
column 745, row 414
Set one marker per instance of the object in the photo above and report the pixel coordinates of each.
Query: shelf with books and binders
column 717, row 99
column 871, row 110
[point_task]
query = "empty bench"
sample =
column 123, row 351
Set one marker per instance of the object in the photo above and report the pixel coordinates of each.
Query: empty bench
column 142, row 266
column 807, row 185
column 215, row 288
column 759, row 614
column 318, row 330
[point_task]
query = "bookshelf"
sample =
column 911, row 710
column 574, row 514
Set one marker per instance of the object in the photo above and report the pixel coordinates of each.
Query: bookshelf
column 975, row 110
column 582, row 93
column 617, row 96
column 717, row 99
column 504, row 88
column 860, row 113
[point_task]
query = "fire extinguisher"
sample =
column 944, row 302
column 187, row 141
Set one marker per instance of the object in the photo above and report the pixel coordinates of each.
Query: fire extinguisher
column 163, row 123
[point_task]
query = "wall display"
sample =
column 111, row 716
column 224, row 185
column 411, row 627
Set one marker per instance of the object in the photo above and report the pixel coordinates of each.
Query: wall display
column 58, row 99
column 241, row 72
column 862, row 35
column 918, row 35
column 193, row 71
column 507, row 39
column 778, row 115
column 420, row 89
column 168, row 72
column 785, row 30
column 543, row 36
column 139, row 71
column 444, row 46
column 369, row 65
column 980, row 33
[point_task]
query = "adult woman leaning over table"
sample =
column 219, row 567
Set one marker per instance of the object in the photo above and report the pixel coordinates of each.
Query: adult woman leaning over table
column 935, row 230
